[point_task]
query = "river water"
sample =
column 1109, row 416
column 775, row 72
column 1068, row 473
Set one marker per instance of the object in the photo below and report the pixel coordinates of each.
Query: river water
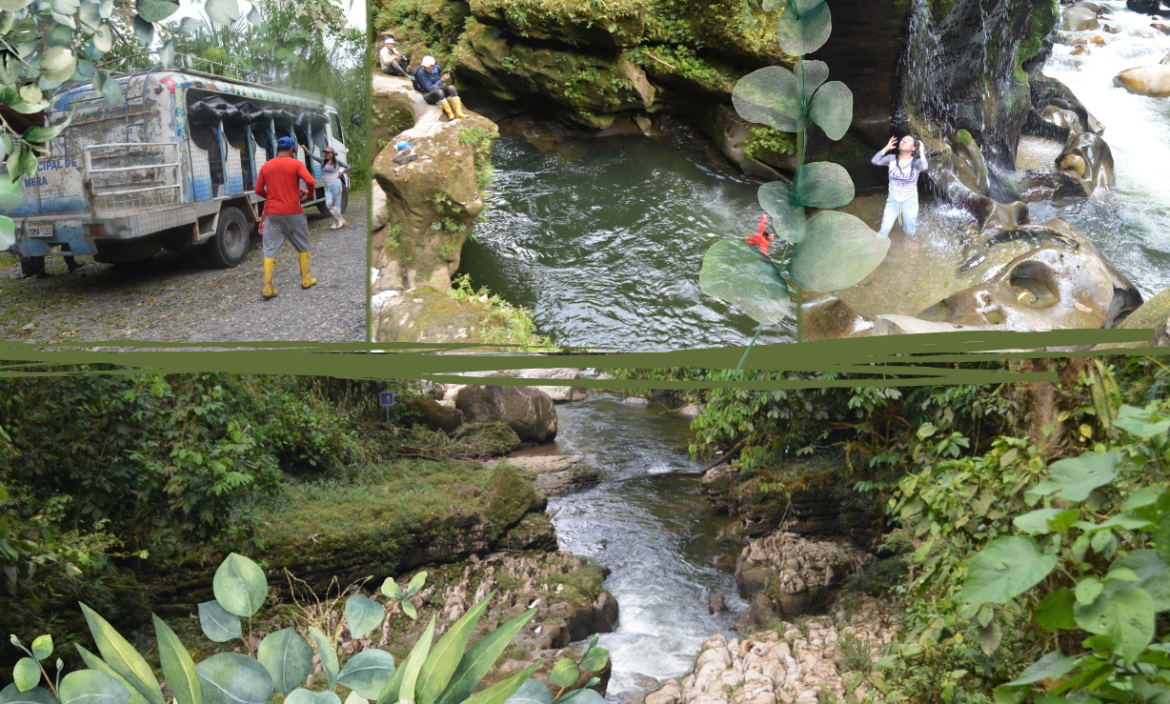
column 1132, row 225
column 648, row 523
column 603, row 239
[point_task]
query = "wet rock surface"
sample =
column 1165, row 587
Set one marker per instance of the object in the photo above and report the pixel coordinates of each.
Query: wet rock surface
column 786, row 576
column 806, row 663
column 554, row 475
column 528, row 411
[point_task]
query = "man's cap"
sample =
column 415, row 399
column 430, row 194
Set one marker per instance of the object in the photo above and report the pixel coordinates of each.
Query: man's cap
column 428, row 61
column 286, row 143
column 389, row 40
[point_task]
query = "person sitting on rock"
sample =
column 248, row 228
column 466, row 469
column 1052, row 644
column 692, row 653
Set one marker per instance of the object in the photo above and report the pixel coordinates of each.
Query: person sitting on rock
column 904, row 169
column 430, row 81
column 763, row 237
column 391, row 60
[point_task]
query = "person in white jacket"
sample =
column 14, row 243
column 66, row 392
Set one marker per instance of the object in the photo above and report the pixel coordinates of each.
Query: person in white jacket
column 391, row 60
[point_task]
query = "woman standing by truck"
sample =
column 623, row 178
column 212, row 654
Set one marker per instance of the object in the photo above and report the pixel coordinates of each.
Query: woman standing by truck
column 332, row 170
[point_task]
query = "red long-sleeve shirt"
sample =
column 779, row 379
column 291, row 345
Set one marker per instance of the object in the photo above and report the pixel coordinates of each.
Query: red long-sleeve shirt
column 279, row 182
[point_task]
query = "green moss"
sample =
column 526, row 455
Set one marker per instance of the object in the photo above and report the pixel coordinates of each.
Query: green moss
column 510, row 499
column 1041, row 21
column 939, row 9
column 763, row 142
column 964, row 137
column 685, row 63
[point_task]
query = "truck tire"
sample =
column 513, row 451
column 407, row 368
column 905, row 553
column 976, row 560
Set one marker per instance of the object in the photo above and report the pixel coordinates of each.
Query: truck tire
column 229, row 246
column 344, row 202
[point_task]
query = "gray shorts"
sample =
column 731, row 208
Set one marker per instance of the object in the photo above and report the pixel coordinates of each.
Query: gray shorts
column 277, row 228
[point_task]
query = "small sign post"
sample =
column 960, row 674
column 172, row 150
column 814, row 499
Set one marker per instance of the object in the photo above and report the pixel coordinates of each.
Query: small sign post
column 386, row 400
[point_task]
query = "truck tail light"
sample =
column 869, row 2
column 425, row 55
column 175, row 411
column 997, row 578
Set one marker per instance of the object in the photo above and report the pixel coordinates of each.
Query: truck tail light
column 95, row 230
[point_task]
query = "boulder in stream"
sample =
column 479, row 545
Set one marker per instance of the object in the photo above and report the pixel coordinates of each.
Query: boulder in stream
column 791, row 576
column 1078, row 19
column 528, row 411
column 1152, row 81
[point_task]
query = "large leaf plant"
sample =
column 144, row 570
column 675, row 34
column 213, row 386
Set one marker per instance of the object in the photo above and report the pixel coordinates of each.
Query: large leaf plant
column 831, row 250
column 448, row 673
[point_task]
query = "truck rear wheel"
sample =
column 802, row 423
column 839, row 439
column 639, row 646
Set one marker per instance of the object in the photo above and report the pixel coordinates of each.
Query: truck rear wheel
column 229, row 246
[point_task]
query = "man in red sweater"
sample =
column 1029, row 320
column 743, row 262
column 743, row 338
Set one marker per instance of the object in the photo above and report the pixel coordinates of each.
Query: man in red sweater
column 279, row 183
column 763, row 237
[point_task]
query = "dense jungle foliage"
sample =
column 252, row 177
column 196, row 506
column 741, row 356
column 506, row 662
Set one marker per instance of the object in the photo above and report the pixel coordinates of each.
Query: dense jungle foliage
column 107, row 478
column 954, row 467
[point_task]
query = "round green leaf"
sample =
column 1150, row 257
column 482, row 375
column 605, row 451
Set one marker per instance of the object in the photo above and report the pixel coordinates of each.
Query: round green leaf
column 60, row 35
column 287, row 657
column 23, row 32
column 1122, row 612
column 832, row 109
column 26, row 674
column 391, row 589
column 239, row 585
column 91, row 15
column 42, row 647
column 166, row 55
column 735, row 272
column 823, row 184
column 595, row 659
column 327, row 654
column 143, row 31
column 1055, row 611
column 353, row 697
column 564, row 673
column 191, row 25
column 416, row 583
column 770, row 96
column 802, row 31
column 1005, row 568
column 177, row 665
column 304, row 696
column 11, row 196
column 814, row 73
column 367, row 672
column 532, row 692
column 14, row 5
column 157, row 10
column 57, row 64
column 110, row 88
column 103, row 38
column 222, row 11
column 1153, row 575
column 1073, row 479
column 838, row 251
column 92, row 687
column 787, row 219
column 217, row 623
column 362, row 615
column 1036, row 522
column 232, row 678
column 36, row 695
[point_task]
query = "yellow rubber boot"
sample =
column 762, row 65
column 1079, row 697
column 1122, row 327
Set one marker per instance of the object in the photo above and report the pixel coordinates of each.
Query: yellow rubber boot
column 458, row 105
column 306, row 280
column 447, row 108
column 269, row 289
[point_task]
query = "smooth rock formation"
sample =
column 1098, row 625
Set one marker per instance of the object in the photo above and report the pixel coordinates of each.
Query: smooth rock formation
column 1154, row 315
column 1152, row 81
column 438, row 187
column 1148, row 7
column 427, row 314
column 559, row 394
column 908, row 325
column 803, row 664
column 555, row 475
column 528, row 411
column 1078, row 19
column 788, row 576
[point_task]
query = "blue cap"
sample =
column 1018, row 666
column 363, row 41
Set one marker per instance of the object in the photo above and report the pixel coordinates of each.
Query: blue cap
column 403, row 145
column 286, row 143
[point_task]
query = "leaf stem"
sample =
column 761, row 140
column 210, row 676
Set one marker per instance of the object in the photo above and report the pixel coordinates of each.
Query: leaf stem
column 48, row 680
column 745, row 355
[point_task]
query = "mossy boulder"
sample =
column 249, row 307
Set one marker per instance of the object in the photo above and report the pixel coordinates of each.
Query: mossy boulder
column 427, row 314
column 393, row 114
column 529, row 411
column 430, row 201
column 1154, row 315
column 611, row 24
column 596, row 83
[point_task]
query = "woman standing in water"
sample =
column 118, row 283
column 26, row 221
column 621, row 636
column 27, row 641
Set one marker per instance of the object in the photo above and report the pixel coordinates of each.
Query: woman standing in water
column 904, row 169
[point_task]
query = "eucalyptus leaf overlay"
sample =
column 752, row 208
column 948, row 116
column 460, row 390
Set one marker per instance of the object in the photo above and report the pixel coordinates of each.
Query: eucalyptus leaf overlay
column 832, row 250
column 50, row 44
column 282, row 663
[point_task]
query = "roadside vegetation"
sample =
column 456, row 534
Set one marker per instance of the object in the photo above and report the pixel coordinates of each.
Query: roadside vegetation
column 1021, row 527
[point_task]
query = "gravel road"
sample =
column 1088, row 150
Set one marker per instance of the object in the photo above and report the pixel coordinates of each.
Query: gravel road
column 171, row 298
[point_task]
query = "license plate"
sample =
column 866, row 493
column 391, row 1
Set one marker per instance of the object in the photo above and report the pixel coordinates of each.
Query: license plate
column 40, row 230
